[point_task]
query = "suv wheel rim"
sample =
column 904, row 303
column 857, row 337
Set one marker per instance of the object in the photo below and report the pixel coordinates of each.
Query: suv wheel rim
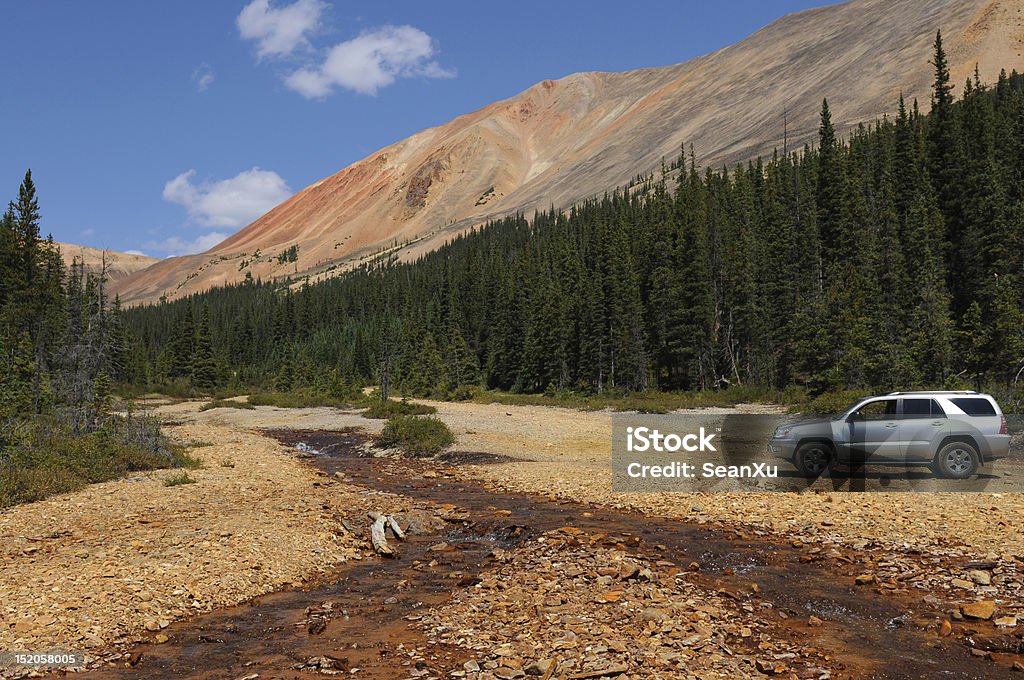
column 814, row 460
column 958, row 461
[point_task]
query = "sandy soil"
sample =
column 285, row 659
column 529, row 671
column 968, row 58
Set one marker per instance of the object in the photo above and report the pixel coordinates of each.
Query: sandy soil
column 570, row 456
column 84, row 570
column 120, row 561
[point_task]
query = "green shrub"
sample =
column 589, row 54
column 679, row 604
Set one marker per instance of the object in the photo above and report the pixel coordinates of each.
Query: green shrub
column 58, row 453
column 179, row 479
column 297, row 399
column 651, row 401
column 25, row 484
column 226, row 403
column 416, row 436
column 382, row 410
column 831, row 403
column 464, row 393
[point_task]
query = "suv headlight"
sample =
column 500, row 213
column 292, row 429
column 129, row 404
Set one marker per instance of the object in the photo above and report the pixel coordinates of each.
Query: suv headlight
column 783, row 432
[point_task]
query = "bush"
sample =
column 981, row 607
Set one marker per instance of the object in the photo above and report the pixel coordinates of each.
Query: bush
column 463, row 393
column 382, row 410
column 226, row 403
column 55, row 454
column 831, row 403
column 297, row 399
column 179, row 479
column 416, row 436
column 651, row 401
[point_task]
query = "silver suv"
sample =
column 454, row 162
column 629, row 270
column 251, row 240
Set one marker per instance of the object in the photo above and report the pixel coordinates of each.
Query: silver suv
column 953, row 432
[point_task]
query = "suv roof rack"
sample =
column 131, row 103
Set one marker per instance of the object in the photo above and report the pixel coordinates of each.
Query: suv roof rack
column 896, row 394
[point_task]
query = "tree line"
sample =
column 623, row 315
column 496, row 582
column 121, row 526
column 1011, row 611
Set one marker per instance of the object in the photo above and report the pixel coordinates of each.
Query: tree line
column 62, row 349
column 889, row 259
column 61, row 339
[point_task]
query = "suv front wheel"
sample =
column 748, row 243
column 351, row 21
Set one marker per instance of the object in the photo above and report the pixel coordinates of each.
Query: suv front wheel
column 957, row 460
column 812, row 459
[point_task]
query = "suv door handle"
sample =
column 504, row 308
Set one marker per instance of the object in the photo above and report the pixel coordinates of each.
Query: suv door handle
column 890, row 425
column 937, row 423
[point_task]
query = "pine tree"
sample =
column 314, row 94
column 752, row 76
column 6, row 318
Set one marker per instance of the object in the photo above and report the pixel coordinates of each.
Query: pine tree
column 11, row 279
column 972, row 341
column 692, row 336
column 182, row 345
column 830, row 191
column 424, row 369
column 945, row 167
column 285, row 379
column 460, row 364
column 26, row 224
column 17, row 373
column 204, row 363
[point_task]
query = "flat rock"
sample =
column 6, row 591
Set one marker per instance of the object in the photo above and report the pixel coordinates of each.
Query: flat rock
column 982, row 578
column 982, row 609
column 539, row 667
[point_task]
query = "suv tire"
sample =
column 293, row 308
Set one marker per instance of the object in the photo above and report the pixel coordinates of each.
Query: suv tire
column 813, row 459
column 957, row 460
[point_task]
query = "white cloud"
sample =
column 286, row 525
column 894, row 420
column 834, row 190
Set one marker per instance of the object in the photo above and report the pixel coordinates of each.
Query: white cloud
column 174, row 245
column 89, row 232
column 278, row 31
column 135, row 252
column 228, row 202
column 203, row 76
column 370, row 61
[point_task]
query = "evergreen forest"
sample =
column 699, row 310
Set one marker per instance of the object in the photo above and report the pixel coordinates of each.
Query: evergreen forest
column 62, row 347
column 891, row 258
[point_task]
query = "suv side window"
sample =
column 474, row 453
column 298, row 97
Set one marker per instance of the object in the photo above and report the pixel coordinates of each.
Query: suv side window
column 883, row 409
column 922, row 408
column 975, row 406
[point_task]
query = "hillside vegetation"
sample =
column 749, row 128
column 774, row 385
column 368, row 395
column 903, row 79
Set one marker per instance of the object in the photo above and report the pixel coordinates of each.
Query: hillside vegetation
column 891, row 259
column 62, row 345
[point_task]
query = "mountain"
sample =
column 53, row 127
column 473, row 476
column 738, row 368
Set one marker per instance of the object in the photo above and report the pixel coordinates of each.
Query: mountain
column 564, row 140
column 119, row 265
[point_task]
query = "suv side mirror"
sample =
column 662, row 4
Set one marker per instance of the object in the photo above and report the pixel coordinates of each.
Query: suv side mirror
column 854, row 417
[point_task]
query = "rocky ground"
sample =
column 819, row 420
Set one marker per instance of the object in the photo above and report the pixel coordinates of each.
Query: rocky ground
column 567, row 454
column 97, row 568
column 568, row 605
column 121, row 561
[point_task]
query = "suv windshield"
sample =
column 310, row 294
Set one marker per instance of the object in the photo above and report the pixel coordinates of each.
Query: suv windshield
column 842, row 414
column 880, row 409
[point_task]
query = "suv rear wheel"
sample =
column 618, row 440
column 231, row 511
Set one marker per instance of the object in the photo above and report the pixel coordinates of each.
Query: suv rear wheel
column 957, row 460
column 812, row 459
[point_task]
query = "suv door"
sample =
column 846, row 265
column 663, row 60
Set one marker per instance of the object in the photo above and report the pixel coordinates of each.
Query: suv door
column 873, row 431
column 923, row 424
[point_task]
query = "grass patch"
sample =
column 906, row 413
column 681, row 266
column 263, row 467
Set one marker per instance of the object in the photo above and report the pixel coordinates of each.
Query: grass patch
column 297, row 399
column 226, row 403
column 415, row 436
column 179, row 479
column 49, row 455
column 831, row 403
column 382, row 410
column 645, row 402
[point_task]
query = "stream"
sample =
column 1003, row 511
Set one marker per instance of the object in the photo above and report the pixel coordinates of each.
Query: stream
column 357, row 622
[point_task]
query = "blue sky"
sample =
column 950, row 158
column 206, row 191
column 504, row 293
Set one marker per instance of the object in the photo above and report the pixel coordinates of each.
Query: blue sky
column 162, row 127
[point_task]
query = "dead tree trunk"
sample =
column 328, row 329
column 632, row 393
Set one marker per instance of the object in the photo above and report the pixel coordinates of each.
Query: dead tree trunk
column 377, row 537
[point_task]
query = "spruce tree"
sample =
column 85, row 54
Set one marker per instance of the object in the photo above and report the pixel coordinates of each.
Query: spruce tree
column 182, row 345
column 204, row 363
column 945, row 169
column 830, row 191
